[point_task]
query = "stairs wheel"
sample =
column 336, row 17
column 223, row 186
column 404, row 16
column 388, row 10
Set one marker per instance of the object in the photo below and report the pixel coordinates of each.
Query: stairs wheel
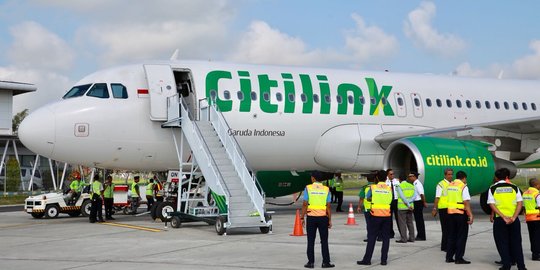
column 220, row 225
column 264, row 230
column 176, row 222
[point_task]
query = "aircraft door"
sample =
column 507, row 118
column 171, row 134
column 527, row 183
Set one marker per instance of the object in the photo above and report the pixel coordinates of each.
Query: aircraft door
column 400, row 102
column 161, row 85
column 417, row 105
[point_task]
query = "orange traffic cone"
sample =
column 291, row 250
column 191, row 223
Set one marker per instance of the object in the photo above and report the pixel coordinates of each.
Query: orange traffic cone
column 350, row 217
column 298, row 230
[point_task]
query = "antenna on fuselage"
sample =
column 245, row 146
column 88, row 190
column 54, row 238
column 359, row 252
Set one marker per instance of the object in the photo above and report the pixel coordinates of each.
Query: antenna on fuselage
column 174, row 56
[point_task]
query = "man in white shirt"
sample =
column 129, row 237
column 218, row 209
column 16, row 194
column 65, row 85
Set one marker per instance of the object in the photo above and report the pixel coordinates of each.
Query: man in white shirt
column 419, row 204
column 394, row 182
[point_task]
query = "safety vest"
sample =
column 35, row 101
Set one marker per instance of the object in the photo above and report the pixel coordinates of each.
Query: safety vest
column 455, row 197
column 96, row 188
column 443, row 200
column 338, row 184
column 381, row 198
column 159, row 189
column 532, row 213
column 134, row 188
column 408, row 191
column 150, row 189
column 317, row 196
column 109, row 192
column 75, row 185
column 367, row 204
column 505, row 198
column 330, row 183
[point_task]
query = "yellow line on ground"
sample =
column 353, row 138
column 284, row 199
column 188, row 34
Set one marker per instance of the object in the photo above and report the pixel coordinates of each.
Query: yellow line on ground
column 131, row 226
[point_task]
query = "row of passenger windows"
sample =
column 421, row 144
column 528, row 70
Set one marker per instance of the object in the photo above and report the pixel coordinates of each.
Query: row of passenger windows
column 477, row 103
column 98, row 90
column 291, row 97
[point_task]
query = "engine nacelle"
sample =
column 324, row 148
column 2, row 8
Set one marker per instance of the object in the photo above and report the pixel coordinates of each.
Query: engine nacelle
column 429, row 157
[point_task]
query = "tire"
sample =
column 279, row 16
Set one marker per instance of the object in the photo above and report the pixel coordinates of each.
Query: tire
column 37, row 215
column 163, row 208
column 74, row 214
column 220, row 225
column 176, row 222
column 126, row 210
column 265, row 230
column 153, row 212
column 484, row 204
column 52, row 211
column 86, row 206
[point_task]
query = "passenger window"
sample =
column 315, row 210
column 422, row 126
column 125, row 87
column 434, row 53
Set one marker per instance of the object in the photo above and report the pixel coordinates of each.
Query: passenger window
column 279, row 97
column 428, row 102
column 327, row 99
column 416, row 102
column 303, row 97
column 119, row 90
column 488, row 105
column 533, row 106
column 479, row 104
column 339, row 99
column 99, row 90
column 449, row 103
column 266, row 96
column 227, row 94
column 240, row 95
column 77, row 91
column 372, row 100
column 469, row 104
column 497, row 105
column 253, row 95
column 439, row 103
column 291, row 97
column 458, row 103
column 213, row 94
column 316, row 98
column 383, row 101
column 351, row 99
column 516, row 106
column 524, row 105
column 363, row 101
column 506, row 106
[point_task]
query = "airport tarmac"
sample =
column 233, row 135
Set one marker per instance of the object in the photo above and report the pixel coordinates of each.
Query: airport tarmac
column 73, row 243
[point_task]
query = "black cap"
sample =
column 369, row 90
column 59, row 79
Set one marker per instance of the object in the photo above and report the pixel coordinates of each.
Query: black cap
column 317, row 175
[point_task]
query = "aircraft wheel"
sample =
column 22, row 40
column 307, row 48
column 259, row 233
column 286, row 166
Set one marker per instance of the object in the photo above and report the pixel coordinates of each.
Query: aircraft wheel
column 52, row 211
column 37, row 215
column 176, row 222
column 484, row 204
column 220, row 225
column 163, row 208
column 86, row 207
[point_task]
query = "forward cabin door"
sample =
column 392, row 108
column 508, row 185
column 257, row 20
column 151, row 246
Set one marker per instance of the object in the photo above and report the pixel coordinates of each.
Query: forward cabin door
column 161, row 85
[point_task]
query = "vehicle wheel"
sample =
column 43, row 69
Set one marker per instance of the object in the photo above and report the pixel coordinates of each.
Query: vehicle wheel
column 52, row 211
column 37, row 215
column 264, row 230
column 86, row 207
column 220, row 225
column 74, row 214
column 126, row 211
column 163, row 209
column 153, row 212
column 484, row 204
column 176, row 222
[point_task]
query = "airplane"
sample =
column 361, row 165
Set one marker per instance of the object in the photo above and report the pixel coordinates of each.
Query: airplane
column 290, row 121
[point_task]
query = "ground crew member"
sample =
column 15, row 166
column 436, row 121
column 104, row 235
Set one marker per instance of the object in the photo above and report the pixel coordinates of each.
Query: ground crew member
column 419, row 204
column 406, row 194
column 392, row 182
column 108, row 198
column 440, row 205
column 135, row 195
column 158, row 189
column 459, row 218
column 531, row 202
column 150, row 193
column 75, row 189
column 506, row 201
column 338, row 187
column 379, row 224
column 330, row 184
column 317, row 208
column 97, row 204
column 364, row 206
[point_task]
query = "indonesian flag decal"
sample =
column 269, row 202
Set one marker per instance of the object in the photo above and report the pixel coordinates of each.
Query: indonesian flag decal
column 142, row 93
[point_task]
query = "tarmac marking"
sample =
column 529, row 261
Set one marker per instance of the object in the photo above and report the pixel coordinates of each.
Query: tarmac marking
column 131, row 226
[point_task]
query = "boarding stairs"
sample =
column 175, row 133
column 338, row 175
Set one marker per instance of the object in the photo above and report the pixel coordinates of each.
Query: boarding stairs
column 219, row 158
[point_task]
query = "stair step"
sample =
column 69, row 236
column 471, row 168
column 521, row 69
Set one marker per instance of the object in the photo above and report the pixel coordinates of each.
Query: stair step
column 245, row 221
column 239, row 199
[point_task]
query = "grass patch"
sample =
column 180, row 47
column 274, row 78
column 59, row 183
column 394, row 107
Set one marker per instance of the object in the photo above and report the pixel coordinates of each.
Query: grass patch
column 12, row 199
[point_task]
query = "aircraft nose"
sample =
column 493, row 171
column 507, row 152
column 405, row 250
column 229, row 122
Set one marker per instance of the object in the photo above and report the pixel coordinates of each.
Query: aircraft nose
column 37, row 131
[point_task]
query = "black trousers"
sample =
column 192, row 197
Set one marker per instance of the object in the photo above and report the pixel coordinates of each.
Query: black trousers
column 419, row 220
column 458, row 230
column 508, row 242
column 367, row 216
column 149, row 201
column 443, row 218
column 95, row 211
column 108, row 203
column 312, row 225
column 378, row 227
column 534, row 237
column 394, row 209
column 339, row 197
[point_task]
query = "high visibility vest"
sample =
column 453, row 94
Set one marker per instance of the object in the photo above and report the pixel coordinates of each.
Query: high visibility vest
column 109, row 192
column 75, row 185
column 381, row 198
column 408, row 191
column 455, row 197
column 367, row 204
column 150, row 189
column 443, row 200
column 96, row 188
column 134, row 188
column 338, row 184
column 159, row 189
column 532, row 213
column 505, row 198
column 317, row 195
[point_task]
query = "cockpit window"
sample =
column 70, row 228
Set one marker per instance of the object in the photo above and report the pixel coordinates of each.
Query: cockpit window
column 77, row 91
column 119, row 90
column 99, row 90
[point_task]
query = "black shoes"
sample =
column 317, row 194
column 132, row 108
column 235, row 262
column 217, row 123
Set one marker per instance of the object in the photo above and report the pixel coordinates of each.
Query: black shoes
column 309, row 265
column 365, row 240
column 419, row 239
column 462, row 261
column 327, row 265
column 363, row 263
column 399, row 241
column 500, row 262
column 383, row 263
column 450, row 260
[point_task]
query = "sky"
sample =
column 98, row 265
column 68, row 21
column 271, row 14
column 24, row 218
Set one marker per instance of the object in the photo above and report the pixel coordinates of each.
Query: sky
column 54, row 43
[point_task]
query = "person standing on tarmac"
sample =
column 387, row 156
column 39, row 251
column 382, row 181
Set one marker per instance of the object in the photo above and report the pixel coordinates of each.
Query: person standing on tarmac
column 338, row 187
column 135, row 195
column 440, row 205
column 108, row 198
column 364, row 206
column 406, row 195
column 96, row 194
column 381, row 197
column 391, row 181
column 158, row 189
column 531, row 202
column 319, row 217
column 459, row 218
column 506, row 201
column 419, row 204
column 150, row 193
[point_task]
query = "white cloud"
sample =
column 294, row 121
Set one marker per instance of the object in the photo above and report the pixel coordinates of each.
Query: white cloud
column 419, row 28
column 528, row 67
column 35, row 47
column 367, row 43
column 493, row 71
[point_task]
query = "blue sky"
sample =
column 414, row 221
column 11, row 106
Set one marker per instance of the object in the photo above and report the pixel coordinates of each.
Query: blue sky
column 54, row 43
